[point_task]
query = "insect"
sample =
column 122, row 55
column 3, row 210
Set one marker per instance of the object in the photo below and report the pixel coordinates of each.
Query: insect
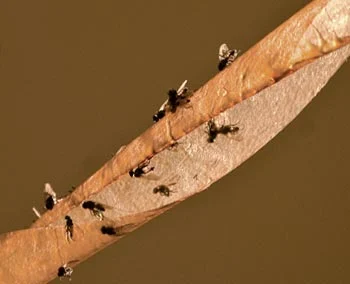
column 69, row 228
column 64, row 271
column 108, row 230
column 96, row 209
column 214, row 130
column 175, row 99
column 163, row 190
column 141, row 169
column 50, row 197
column 118, row 231
column 226, row 56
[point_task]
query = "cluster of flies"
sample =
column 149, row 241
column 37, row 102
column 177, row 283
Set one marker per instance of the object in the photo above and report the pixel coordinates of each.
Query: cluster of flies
column 176, row 98
column 96, row 209
column 181, row 96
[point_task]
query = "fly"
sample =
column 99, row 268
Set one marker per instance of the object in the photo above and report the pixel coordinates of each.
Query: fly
column 226, row 56
column 163, row 190
column 107, row 230
column 50, row 197
column 69, row 228
column 64, row 271
column 175, row 98
column 141, row 169
column 214, row 130
column 118, row 231
column 96, row 209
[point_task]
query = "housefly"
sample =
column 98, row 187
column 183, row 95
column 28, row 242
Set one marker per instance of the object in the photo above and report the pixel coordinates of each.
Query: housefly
column 163, row 190
column 69, row 228
column 175, row 98
column 214, row 130
column 65, row 271
column 226, row 56
column 141, row 169
column 96, row 209
column 50, row 197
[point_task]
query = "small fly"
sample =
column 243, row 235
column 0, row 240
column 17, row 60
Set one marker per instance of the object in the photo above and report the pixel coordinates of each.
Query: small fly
column 96, row 209
column 226, row 56
column 175, row 99
column 141, row 169
column 107, row 230
column 69, row 228
column 163, row 190
column 214, row 130
column 117, row 231
column 50, row 197
column 64, row 271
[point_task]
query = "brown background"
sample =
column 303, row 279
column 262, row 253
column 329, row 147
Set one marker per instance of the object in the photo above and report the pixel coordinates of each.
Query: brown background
column 78, row 80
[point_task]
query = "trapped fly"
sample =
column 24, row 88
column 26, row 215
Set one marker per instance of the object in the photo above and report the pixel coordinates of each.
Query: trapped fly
column 141, row 169
column 163, row 190
column 96, row 209
column 117, row 231
column 69, row 228
column 226, row 56
column 214, row 130
column 64, row 271
column 175, row 98
column 107, row 230
column 50, row 197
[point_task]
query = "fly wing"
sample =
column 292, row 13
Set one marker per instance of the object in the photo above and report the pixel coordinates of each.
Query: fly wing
column 162, row 107
column 223, row 51
column 182, row 88
column 105, row 206
column 48, row 190
column 144, row 164
column 36, row 212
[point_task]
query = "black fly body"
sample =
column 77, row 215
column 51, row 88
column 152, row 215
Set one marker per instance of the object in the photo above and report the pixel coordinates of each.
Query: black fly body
column 49, row 203
column 117, row 231
column 141, row 169
column 107, row 230
column 214, row 130
column 65, row 271
column 175, row 99
column 69, row 228
column 163, row 190
column 95, row 208
column 226, row 56
column 50, row 197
